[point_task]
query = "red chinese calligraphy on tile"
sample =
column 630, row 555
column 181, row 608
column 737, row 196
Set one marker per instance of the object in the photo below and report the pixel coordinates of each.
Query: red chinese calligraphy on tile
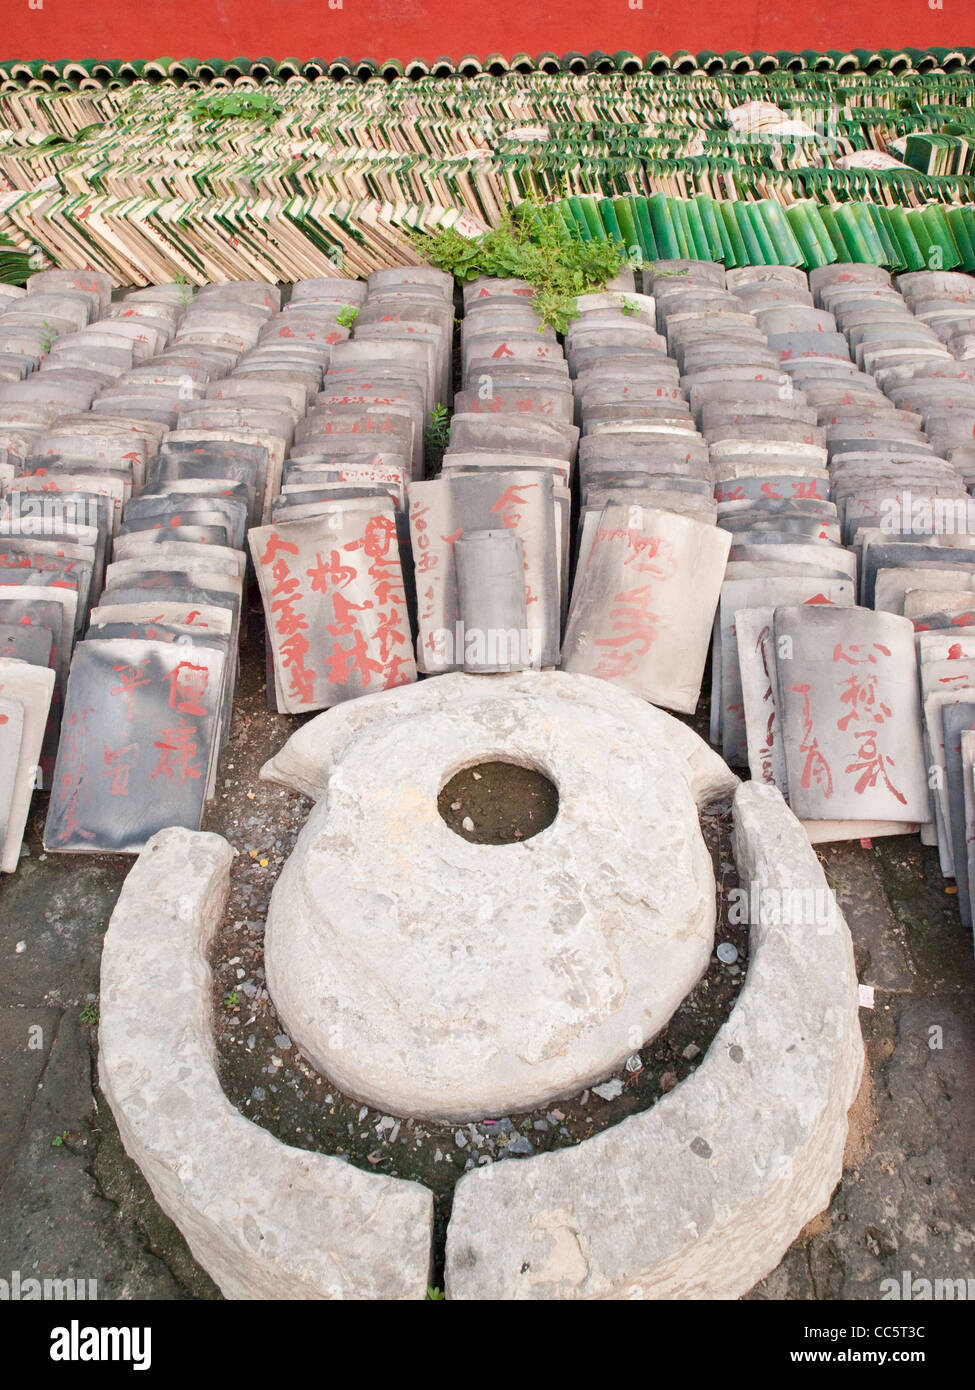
column 178, row 749
column 377, row 540
column 345, row 623
column 187, row 686
column 509, row 503
column 288, row 622
column 276, row 546
column 344, row 662
column 389, row 634
column 129, row 681
column 651, row 555
column 425, row 559
column 646, row 554
column 866, row 714
column 872, row 765
column 294, row 649
column 394, row 676
column 816, row 768
column 119, row 762
column 635, row 624
column 330, row 572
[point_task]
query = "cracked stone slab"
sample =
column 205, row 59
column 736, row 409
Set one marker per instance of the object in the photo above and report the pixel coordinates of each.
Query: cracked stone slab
column 26, row 1039
column 700, row 1196
column 265, row 1220
column 878, row 937
column 55, row 1221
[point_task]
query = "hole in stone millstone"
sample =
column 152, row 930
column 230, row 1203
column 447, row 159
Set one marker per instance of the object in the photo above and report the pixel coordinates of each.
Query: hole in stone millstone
column 498, row 803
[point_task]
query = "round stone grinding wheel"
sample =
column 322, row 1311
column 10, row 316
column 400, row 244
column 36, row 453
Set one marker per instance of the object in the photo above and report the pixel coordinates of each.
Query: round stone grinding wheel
column 434, row 977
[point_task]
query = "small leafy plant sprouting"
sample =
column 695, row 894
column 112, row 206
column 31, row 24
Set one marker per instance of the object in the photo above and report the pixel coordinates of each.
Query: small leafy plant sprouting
column 231, row 1000
column 531, row 243
column 186, row 293
column 436, row 436
column 347, row 315
column 439, row 426
column 59, row 1139
column 222, row 105
column 89, row 1013
column 435, row 1295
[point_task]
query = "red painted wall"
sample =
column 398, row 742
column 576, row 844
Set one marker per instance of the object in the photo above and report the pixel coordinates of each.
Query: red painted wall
column 428, row 29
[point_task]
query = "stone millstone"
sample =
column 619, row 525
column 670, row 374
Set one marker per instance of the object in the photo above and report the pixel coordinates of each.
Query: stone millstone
column 431, row 976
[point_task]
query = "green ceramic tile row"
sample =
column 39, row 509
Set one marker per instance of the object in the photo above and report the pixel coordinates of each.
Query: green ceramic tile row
column 653, row 159
column 885, row 62
column 805, row 234
column 14, row 264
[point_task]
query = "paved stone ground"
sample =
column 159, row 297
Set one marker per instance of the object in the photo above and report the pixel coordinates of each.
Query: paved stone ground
column 73, row 1205
column 907, row 1199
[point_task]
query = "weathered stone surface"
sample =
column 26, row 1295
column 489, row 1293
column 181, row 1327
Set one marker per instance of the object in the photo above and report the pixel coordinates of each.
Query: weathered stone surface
column 957, row 720
column 33, row 644
column 95, row 282
column 31, row 688
column 11, row 736
column 308, row 760
column 848, row 700
column 443, row 509
column 933, row 706
column 753, row 628
column 491, row 586
column 747, row 593
column 700, row 1196
column 141, row 728
column 429, row 975
column 318, row 574
column 265, row 1220
column 643, row 603
column 892, row 585
column 537, row 401
column 205, row 617
column 329, row 289
column 968, row 795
